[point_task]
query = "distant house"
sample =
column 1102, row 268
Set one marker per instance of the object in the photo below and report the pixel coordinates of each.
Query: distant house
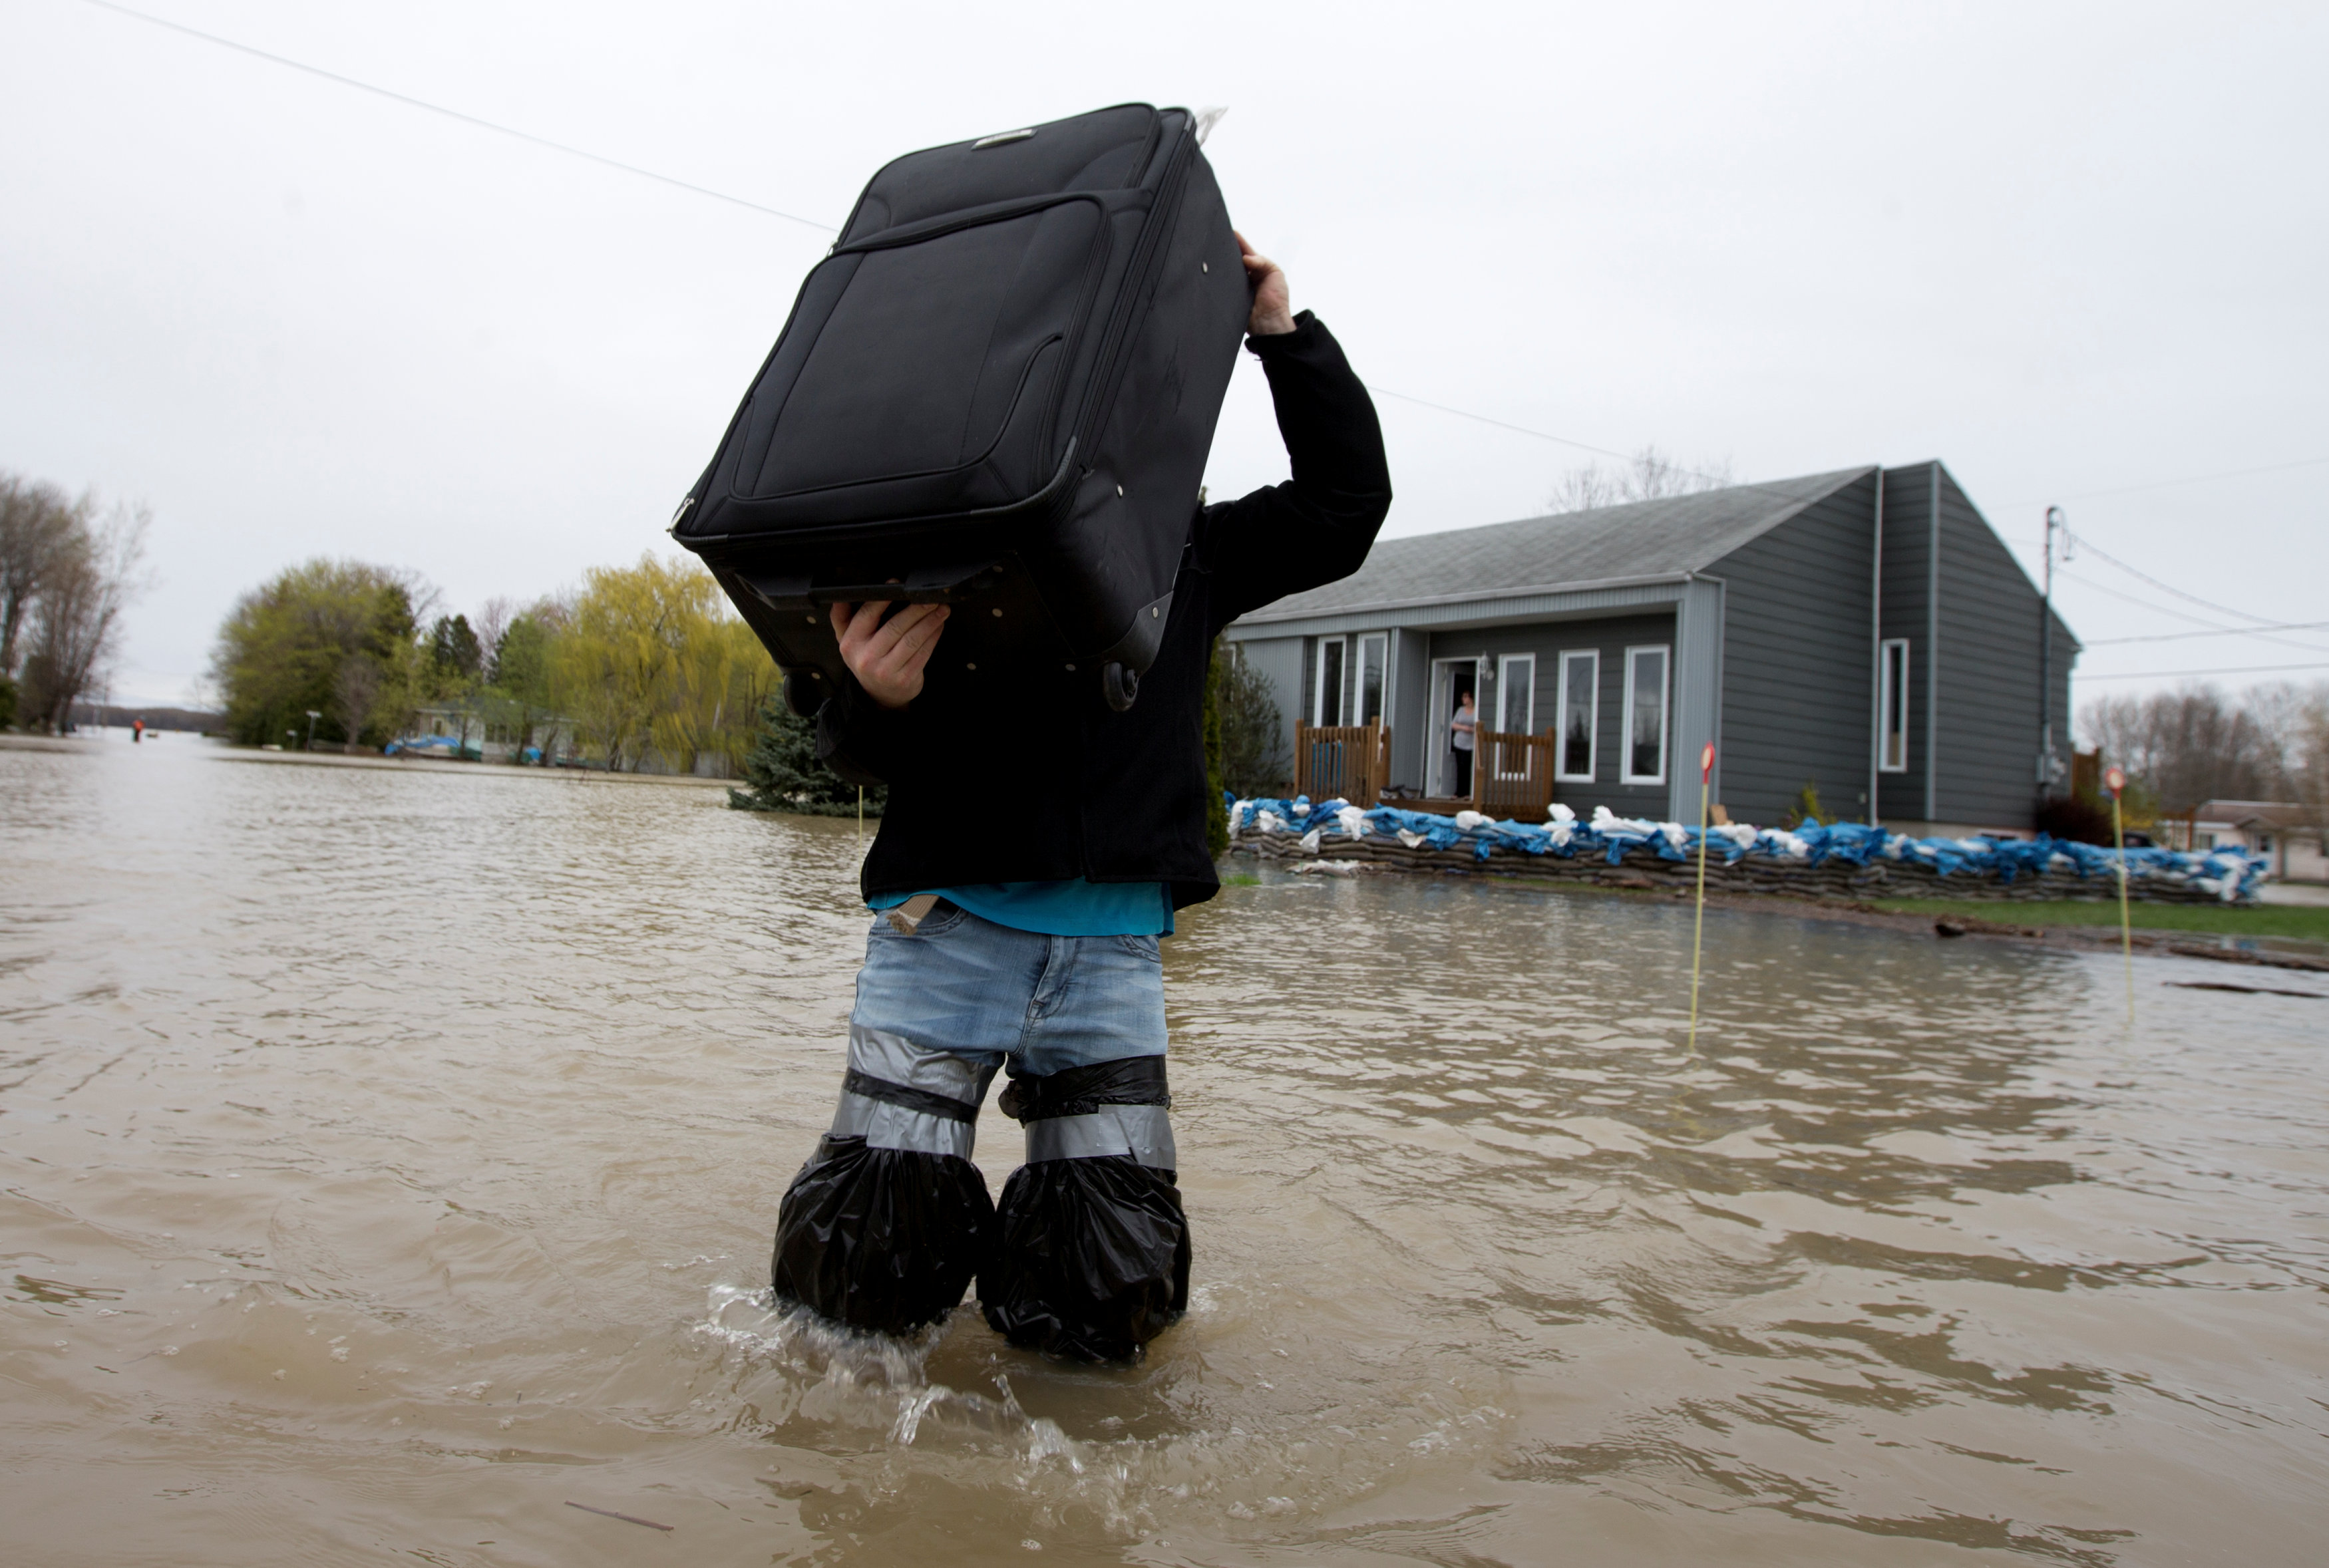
column 2289, row 833
column 479, row 730
column 1865, row 633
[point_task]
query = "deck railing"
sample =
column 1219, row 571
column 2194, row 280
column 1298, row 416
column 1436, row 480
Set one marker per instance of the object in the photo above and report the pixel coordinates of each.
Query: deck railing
column 1512, row 774
column 1349, row 760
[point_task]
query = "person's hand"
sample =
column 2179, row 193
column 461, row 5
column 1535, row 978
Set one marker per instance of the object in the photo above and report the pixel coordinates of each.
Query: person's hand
column 1273, row 302
column 888, row 657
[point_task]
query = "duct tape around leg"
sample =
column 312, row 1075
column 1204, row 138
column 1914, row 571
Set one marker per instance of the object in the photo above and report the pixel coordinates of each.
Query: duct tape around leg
column 1143, row 1132
column 898, row 1095
column 893, row 1116
column 1091, row 1260
column 885, row 1239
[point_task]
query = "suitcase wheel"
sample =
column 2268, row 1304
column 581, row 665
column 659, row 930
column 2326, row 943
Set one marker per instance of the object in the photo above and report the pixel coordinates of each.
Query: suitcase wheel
column 1119, row 685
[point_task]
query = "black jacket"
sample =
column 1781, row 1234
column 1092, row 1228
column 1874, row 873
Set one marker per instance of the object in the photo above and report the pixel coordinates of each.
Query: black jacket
column 1070, row 788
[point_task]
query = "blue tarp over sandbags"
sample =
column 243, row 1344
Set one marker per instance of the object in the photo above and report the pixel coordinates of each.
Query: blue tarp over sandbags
column 2226, row 874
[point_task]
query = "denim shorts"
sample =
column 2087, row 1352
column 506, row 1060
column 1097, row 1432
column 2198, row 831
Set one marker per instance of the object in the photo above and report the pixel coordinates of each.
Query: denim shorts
column 971, row 988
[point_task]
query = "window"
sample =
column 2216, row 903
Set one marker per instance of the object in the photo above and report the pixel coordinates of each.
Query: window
column 1329, row 704
column 1581, row 715
column 1373, row 656
column 1892, row 703
column 1646, row 716
column 1516, row 712
column 1516, row 684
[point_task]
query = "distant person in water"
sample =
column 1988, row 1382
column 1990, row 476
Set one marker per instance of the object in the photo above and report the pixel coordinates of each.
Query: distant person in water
column 1026, row 866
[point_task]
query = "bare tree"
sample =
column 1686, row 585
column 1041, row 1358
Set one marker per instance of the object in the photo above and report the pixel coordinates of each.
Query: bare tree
column 356, row 692
column 1647, row 475
column 2308, row 779
column 37, row 526
column 76, row 620
column 2186, row 746
column 492, row 620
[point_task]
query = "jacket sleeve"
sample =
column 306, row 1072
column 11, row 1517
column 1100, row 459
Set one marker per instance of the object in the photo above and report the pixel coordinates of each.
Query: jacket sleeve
column 859, row 738
column 1319, row 524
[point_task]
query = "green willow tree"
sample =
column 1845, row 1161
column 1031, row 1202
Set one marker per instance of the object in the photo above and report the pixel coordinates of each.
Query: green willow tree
column 519, row 696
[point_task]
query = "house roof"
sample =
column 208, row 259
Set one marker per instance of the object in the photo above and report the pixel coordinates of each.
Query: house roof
column 1643, row 540
column 2255, row 814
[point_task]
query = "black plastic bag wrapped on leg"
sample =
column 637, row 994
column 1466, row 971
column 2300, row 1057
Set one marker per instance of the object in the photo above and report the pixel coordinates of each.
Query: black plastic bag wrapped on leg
column 884, row 1226
column 885, row 1239
column 1091, row 1251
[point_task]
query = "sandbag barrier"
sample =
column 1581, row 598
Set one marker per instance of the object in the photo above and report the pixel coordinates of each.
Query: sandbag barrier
column 1838, row 860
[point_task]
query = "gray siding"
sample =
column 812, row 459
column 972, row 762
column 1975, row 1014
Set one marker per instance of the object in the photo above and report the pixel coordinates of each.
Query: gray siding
column 1798, row 666
column 1989, row 700
column 1410, row 696
column 1908, row 556
column 1278, row 661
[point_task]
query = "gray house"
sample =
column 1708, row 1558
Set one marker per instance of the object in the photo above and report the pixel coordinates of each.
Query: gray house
column 1864, row 631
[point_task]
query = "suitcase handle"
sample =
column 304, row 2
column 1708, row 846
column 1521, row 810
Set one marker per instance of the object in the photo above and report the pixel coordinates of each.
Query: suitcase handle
column 932, row 585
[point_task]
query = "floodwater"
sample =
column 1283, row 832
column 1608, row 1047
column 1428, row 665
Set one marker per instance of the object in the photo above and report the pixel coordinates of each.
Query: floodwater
column 388, row 1159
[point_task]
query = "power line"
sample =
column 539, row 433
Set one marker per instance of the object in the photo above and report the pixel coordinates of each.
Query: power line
column 1516, row 430
column 2226, row 632
column 2142, row 603
column 2165, row 674
column 468, row 120
column 2169, row 484
column 2187, row 615
column 2093, row 548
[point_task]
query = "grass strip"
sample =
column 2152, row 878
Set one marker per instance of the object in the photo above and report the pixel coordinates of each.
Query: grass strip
column 2300, row 922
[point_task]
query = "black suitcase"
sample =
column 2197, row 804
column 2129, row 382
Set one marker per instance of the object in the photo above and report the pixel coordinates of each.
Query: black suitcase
column 997, row 392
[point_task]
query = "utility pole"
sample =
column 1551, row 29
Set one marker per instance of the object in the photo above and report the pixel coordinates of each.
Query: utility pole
column 2046, row 767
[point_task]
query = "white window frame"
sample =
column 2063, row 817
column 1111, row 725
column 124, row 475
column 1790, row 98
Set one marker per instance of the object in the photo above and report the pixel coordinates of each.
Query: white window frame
column 1591, row 659
column 1380, row 642
column 1318, row 680
column 1665, row 714
column 1891, row 724
column 1505, row 664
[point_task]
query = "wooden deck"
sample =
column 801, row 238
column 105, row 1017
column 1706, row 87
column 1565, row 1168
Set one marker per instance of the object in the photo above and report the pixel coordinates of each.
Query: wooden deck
column 1512, row 777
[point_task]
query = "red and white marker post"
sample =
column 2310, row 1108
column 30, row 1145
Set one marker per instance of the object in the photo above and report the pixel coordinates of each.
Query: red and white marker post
column 2114, row 780
column 1698, row 928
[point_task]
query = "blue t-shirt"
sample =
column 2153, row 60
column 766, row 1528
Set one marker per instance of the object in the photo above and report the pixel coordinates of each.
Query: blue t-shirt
column 1075, row 908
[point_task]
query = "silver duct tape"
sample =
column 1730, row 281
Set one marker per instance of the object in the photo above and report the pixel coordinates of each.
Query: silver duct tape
column 1143, row 1132
column 886, row 1126
column 894, row 1059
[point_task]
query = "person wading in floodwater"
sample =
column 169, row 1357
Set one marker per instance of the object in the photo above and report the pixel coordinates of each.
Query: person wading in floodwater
column 1024, row 870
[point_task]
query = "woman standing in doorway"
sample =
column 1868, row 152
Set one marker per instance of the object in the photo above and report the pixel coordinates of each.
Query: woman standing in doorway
column 1462, row 730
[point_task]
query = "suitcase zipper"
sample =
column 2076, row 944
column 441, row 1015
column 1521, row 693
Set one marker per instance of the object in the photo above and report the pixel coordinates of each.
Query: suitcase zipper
column 1137, row 275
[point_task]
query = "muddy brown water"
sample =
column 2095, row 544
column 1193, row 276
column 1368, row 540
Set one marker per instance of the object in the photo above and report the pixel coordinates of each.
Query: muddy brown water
column 388, row 1159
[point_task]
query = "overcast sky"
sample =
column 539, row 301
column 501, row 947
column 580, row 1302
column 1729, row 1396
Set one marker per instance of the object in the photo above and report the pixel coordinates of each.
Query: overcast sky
column 2069, row 250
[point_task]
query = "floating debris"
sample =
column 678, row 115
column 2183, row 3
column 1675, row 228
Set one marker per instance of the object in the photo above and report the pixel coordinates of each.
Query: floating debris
column 626, row 1518
column 2246, row 990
